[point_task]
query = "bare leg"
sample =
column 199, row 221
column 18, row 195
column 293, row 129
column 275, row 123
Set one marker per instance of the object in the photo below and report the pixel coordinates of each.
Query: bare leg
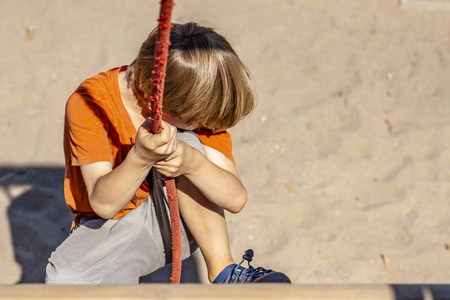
column 206, row 221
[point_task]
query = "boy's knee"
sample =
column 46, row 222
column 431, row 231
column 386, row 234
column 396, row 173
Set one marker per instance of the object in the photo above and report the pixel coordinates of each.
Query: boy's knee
column 57, row 275
column 54, row 275
column 190, row 138
column 60, row 274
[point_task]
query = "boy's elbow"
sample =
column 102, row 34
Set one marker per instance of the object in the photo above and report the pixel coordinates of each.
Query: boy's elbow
column 105, row 214
column 102, row 210
column 238, row 204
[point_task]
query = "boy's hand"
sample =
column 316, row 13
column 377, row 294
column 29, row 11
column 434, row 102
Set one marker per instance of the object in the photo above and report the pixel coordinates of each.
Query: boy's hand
column 151, row 148
column 179, row 162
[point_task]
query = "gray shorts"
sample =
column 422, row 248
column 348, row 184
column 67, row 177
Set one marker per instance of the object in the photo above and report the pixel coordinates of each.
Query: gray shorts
column 120, row 251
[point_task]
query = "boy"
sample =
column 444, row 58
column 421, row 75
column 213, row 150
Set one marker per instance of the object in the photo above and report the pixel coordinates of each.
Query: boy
column 115, row 166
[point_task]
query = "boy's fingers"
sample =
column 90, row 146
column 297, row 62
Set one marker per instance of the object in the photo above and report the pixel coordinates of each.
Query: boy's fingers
column 147, row 125
column 170, row 131
column 167, row 126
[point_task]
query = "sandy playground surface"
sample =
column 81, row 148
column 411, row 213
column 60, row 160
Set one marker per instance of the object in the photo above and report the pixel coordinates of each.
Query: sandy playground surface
column 346, row 158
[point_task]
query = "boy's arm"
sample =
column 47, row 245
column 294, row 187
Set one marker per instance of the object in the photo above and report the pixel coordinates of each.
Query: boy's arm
column 229, row 187
column 109, row 189
column 213, row 174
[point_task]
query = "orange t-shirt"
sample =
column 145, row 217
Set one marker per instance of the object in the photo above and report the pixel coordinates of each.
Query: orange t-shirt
column 98, row 128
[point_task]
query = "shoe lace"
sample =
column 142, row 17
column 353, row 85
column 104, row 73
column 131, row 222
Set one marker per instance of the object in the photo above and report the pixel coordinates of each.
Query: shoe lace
column 252, row 273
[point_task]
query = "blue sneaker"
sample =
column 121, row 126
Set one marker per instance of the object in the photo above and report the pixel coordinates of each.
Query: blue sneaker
column 236, row 274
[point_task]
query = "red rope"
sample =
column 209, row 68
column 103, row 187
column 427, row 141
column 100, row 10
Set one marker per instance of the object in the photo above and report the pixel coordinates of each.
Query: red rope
column 158, row 79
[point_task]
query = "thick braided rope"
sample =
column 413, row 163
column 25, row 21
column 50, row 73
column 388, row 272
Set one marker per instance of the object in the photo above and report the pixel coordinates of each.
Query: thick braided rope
column 158, row 78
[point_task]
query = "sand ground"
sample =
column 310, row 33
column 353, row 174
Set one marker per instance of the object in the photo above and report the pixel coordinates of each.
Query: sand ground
column 346, row 158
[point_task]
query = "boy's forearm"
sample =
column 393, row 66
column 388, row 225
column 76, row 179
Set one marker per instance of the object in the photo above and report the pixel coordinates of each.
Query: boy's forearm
column 115, row 189
column 218, row 185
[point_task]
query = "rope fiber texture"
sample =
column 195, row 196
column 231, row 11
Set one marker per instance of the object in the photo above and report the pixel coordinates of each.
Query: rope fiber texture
column 158, row 79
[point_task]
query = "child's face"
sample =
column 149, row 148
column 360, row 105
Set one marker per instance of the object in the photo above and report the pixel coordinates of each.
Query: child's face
column 174, row 121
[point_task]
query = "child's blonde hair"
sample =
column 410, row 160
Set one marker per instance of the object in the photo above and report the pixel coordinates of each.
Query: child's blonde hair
column 206, row 81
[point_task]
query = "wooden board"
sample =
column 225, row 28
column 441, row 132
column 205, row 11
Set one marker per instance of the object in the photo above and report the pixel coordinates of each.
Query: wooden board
column 223, row 292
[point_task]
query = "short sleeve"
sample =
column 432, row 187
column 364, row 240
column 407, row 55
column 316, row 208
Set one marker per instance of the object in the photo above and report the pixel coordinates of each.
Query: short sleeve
column 86, row 128
column 220, row 141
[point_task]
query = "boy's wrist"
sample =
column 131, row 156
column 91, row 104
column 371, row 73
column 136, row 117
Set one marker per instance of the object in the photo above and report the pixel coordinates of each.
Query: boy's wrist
column 138, row 160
